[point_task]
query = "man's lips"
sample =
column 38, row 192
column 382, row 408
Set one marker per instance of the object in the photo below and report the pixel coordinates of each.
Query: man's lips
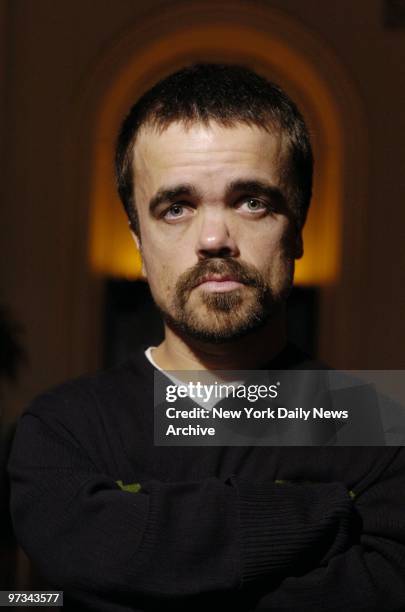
column 216, row 282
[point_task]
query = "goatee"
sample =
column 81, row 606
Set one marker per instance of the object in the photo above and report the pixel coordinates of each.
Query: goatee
column 228, row 314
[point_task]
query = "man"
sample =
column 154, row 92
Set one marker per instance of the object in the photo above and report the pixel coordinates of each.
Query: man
column 214, row 169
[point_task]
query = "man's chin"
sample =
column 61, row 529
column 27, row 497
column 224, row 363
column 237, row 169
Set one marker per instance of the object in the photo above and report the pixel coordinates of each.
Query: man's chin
column 219, row 302
column 213, row 329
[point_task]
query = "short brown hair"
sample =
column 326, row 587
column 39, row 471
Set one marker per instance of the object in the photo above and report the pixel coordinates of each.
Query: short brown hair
column 226, row 94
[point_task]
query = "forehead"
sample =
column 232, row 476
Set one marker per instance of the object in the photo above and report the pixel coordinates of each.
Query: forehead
column 205, row 152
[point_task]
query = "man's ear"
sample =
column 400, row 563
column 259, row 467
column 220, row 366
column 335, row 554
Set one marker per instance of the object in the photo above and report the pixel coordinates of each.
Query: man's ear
column 299, row 245
column 139, row 247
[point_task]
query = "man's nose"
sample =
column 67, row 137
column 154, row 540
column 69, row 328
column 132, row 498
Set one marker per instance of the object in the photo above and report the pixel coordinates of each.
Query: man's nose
column 215, row 239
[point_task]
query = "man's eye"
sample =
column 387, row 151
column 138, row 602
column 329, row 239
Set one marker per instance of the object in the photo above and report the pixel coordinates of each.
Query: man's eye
column 175, row 211
column 254, row 205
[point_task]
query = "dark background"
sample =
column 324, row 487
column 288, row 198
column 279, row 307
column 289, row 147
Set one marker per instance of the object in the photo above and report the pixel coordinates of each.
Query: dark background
column 62, row 315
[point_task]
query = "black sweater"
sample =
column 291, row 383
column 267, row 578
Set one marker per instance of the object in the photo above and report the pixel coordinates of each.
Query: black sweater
column 235, row 528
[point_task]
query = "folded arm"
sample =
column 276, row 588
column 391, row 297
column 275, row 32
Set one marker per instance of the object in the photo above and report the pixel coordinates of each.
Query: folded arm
column 370, row 575
column 176, row 540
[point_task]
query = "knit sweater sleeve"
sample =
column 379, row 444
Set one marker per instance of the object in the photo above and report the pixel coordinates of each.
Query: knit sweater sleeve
column 370, row 575
column 96, row 541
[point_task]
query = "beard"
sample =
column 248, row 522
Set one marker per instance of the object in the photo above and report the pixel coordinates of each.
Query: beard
column 218, row 317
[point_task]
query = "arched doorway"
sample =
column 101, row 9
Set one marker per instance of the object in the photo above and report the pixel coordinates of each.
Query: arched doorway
column 278, row 47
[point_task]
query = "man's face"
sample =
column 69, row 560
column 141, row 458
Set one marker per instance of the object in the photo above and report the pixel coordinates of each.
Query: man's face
column 218, row 241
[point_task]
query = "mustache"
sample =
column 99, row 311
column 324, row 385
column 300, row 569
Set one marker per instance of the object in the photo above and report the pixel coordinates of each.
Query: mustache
column 225, row 267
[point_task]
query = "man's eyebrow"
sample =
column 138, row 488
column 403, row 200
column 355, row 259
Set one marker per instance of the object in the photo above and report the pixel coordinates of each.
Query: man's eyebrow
column 169, row 194
column 256, row 187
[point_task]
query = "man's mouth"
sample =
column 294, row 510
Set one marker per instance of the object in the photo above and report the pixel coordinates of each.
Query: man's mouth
column 218, row 282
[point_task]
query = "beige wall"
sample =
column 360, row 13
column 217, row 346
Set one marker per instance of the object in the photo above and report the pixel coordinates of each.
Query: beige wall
column 51, row 49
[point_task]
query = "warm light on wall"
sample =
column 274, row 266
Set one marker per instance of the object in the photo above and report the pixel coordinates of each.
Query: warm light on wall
column 112, row 250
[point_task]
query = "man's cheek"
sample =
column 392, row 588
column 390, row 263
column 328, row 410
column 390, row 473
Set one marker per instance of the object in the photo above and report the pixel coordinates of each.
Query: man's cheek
column 161, row 281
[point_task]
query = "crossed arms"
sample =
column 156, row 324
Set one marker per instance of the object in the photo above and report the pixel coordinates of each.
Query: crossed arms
column 265, row 545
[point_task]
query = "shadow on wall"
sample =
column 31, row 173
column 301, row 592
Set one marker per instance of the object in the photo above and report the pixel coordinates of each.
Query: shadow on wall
column 12, row 357
column 16, row 570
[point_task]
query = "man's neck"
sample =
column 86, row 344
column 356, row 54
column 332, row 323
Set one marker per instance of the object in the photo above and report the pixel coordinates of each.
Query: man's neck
column 247, row 353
